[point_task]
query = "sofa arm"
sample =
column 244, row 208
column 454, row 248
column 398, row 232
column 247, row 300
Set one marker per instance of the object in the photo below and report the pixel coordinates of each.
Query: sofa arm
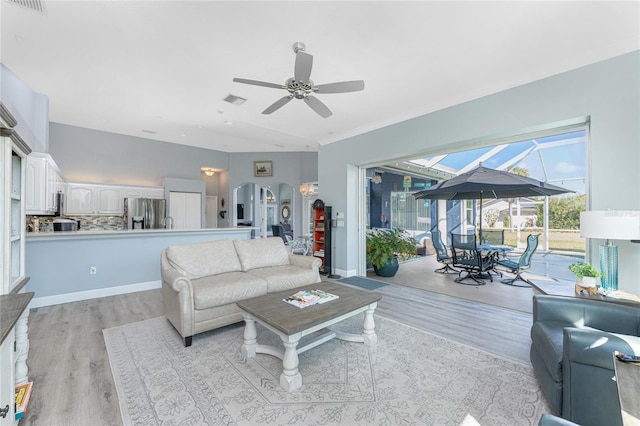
column 589, row 391
column 177, row 299
column 306, row 262
column 596, row 347
column 173, row 278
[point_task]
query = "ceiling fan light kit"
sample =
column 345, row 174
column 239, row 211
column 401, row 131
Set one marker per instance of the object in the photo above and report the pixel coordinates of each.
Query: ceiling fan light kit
column 300, row 86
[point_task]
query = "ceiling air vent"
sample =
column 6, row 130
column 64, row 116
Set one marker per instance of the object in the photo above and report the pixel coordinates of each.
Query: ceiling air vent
column 35, row 5
column 233, row 99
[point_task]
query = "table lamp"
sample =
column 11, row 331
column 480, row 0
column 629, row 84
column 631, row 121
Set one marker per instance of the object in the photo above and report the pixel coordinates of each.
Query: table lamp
column 610, row 225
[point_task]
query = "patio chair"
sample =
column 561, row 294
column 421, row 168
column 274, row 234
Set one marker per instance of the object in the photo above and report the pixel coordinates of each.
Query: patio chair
column 469, row 259
column 522, row 264
column 442, row 254
column 492, row 236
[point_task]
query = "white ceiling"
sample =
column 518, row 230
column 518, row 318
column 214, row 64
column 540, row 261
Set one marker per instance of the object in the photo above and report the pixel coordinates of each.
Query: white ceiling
column 131, row 67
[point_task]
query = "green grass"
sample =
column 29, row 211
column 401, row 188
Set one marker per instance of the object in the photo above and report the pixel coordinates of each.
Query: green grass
column 559, row 239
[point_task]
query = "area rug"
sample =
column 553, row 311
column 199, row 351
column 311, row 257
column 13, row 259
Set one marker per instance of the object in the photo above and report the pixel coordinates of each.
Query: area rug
column 410, row 377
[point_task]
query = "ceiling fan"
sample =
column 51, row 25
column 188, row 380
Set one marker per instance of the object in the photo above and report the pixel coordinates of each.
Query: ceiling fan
column 301, row 87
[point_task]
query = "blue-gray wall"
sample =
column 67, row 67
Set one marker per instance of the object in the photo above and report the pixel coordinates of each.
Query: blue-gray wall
column 607, row 94
column 58, row 264
column 86, row 155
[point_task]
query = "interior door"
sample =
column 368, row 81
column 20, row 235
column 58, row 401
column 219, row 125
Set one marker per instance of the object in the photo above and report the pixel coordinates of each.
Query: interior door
column 211, row 211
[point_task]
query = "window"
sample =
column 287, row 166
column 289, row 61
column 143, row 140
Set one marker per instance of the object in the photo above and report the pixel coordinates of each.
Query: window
column 468, row 212
column 409, row 213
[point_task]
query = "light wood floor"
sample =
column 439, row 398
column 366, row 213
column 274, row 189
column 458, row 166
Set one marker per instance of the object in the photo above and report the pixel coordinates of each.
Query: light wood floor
column 72, row 378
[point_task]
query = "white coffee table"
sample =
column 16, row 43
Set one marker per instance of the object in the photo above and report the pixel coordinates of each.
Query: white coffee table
column 292, row 324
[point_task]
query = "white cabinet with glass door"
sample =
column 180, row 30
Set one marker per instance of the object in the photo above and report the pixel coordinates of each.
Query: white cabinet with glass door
column 13, row 155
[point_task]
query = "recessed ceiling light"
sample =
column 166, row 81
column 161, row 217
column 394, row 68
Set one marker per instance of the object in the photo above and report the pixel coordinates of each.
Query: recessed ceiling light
column 230, row 123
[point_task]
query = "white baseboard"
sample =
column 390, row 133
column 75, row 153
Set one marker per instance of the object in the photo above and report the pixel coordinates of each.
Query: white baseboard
column 57, row 299
column 345, row 273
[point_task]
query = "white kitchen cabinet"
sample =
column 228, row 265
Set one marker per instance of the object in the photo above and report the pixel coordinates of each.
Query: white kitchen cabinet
column 109, row 200
column 80, row 199
column 142, row 192
column 42, row 182
column 54, row 184
column 186, row 209
column 35, row 197
column 154, row 192
column 98, row 199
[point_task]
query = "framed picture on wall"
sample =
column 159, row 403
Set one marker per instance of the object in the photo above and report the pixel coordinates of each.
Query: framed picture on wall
column 262, row 168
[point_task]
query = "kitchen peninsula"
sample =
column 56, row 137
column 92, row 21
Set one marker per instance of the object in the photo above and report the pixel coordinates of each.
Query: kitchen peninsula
column 71, row 266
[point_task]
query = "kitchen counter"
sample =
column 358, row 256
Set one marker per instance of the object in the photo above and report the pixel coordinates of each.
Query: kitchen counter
column 63, row 235
column 77, row 265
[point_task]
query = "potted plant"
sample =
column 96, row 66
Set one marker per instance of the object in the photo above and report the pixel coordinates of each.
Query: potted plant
column 585, row 274
column 384, row 246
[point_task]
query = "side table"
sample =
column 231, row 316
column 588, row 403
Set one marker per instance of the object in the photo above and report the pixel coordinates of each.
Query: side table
column 628, row 382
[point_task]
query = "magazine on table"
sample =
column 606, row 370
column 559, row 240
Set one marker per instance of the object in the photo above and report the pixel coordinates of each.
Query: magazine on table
column 304, row 298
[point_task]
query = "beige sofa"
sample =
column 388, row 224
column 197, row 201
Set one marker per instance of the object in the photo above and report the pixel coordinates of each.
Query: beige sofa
column 201, row 282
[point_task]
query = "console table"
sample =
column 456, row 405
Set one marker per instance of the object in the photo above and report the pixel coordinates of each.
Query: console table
column 567, row 289
column 628, row 382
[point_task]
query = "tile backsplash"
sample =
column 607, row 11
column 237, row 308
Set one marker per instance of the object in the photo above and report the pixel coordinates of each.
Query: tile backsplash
column 87, row 223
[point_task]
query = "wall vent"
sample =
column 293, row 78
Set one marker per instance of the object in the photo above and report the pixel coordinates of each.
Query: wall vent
column 233, row 99
column 34, row 5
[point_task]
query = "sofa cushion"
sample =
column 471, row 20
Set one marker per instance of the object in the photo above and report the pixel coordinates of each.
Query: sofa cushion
column 196, row 260
column 225, row 288
column 261, row 253
column 285, row 277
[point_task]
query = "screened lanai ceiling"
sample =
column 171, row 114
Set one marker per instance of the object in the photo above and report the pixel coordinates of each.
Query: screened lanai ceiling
column 559, row 159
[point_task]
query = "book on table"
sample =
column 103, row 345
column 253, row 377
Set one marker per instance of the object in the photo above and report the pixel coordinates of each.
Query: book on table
column 23, row 395
column 304, row 298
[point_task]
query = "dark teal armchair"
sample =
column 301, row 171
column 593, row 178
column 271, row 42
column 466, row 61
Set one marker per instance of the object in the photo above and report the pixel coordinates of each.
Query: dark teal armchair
column 572, row 345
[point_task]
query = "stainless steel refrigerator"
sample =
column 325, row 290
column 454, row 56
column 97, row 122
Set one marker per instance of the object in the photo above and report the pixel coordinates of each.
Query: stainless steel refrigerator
column 144, row 213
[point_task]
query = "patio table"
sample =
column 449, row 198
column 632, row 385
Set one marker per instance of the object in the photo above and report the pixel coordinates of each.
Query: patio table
column 494, row 251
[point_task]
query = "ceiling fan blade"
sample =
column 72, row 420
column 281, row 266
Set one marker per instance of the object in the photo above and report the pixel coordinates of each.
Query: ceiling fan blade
column 259, row 83
column 304, row 62
column 278, row 104
column 318, row 106
column 341, row 87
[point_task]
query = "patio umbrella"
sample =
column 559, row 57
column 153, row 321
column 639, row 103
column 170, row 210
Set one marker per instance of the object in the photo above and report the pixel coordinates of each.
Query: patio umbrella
column 485, row 183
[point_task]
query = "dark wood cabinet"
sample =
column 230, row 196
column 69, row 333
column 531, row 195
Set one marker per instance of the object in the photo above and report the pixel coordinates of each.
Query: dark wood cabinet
column 322, row 237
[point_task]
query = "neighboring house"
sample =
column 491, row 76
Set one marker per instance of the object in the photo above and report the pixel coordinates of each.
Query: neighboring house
column 528, row 216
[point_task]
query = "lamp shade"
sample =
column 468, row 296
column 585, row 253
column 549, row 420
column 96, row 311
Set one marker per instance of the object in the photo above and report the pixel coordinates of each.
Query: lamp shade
column 610, row 224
